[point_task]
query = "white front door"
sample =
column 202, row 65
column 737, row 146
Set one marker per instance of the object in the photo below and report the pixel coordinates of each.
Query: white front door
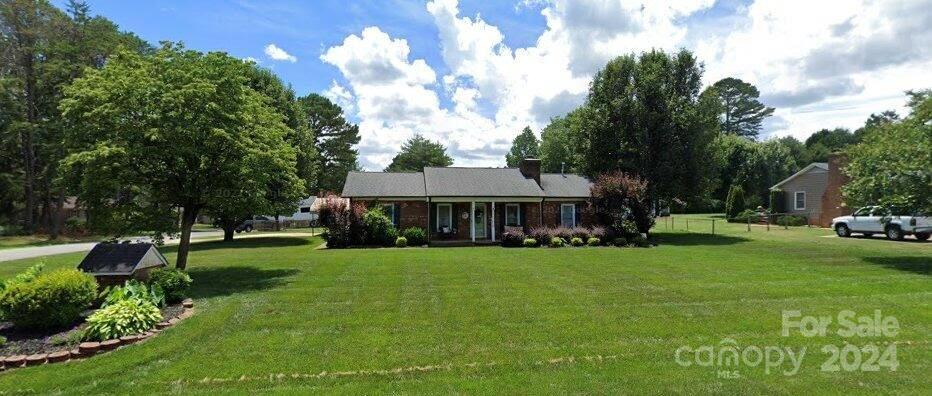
column 479, row 218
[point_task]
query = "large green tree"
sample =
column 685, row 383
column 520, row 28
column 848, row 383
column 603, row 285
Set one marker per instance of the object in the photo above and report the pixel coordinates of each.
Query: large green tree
column 417, row 153
column 741, row 112
column 335, row 139
column 525, row 145
column 891, row 166
column 559, row 144
column 41, row 50
column 827, row 141
column 165, row 136
column 644, row 115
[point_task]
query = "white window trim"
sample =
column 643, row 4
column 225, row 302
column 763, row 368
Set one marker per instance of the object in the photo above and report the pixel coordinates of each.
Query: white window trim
column 796, row 200
column 450, row 207
column 517, row 214
column 562, row 208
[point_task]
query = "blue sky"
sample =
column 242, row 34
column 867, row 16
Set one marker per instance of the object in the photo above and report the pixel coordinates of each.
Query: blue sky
column 471, row 74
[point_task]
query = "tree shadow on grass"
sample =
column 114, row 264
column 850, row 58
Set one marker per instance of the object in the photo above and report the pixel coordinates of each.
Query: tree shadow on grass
column 224, row 281
column 244, row 243
column 690, row 239
column 916, row 265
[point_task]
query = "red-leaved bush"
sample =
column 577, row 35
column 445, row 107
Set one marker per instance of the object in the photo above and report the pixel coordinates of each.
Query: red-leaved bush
column 618, row 196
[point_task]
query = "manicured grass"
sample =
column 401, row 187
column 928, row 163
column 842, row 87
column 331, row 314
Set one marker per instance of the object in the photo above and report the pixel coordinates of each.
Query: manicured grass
column 274, row 314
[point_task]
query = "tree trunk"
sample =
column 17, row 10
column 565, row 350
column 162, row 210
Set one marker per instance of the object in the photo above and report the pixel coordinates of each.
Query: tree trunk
column 58, row 218
column 188, row 215
column 228, row 233
column 278, row 225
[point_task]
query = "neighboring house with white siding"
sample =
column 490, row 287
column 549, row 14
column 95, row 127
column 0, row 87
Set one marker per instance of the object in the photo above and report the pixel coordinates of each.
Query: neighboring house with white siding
column 803, row 191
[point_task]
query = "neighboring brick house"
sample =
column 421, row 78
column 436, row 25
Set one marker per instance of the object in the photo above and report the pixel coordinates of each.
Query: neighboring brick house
column 474, row 204
column 815, row 191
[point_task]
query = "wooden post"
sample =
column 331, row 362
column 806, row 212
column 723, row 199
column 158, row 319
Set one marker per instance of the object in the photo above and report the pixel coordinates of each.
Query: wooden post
column 713, row 226
column 672, row 223
column 749, row 223
column 687, row 224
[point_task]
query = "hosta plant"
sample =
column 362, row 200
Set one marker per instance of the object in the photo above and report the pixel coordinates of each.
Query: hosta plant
column 124, row 317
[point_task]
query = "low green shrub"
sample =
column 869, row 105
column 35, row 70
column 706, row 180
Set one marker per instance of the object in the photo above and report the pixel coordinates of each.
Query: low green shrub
column 556, row 242
column 401, row 242
column 173, row 282
column 52, row 299
column 745, row 216
column 530, row 242
column 620, row 242
column 416, row 236
column 594, row 241
column 133, row 289
column 792, row 220
column 125, row 317
column 2, row 341
column 576, row 241
column 379, row 228
column 639, row 241
column 26, row 276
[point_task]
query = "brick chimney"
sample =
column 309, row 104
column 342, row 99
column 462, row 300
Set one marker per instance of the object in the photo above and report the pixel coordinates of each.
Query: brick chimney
column 832, row 200
column 530, row 168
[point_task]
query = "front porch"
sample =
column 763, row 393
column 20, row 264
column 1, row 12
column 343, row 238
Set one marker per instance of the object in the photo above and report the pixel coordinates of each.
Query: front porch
column 463, row 222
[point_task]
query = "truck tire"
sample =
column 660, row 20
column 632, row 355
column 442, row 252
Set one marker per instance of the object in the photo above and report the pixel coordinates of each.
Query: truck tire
column 842, row 230
column 249, row 228
column 922, row 236
column 894, row 233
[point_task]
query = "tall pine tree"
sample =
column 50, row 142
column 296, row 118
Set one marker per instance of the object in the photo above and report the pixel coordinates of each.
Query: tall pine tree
column 335, row 139
column 742, row 113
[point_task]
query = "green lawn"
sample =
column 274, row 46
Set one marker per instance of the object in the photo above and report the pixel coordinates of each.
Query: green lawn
column 274, row 314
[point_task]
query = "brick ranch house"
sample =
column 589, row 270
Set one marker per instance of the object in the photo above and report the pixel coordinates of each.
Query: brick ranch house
column 474, row 205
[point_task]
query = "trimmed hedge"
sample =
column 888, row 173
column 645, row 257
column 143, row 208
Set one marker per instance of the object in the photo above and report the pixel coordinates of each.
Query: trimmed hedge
column 556, row 242
column 52, row 299
column 401, row 242
column 792, row 220
column 594, row 241
column 530, row 242
column 416, row 236
column 577, row 242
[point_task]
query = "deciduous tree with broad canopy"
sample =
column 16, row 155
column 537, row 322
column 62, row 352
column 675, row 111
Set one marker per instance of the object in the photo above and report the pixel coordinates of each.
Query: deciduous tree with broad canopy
column 165, row 136
column 644, row 116
column 891, row 167
column 524, row 146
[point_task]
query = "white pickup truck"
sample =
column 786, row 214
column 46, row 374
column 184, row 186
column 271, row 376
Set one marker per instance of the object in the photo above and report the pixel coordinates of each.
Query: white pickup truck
column 871, row 220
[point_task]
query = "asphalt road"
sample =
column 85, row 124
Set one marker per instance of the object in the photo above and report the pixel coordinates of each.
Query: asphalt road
column 38, row 251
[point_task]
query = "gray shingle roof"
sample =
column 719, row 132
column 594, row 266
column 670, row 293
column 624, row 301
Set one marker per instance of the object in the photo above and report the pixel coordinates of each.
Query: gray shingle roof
column 384, row 184
column 556, row 185
column 479, row 182
column 121, row 258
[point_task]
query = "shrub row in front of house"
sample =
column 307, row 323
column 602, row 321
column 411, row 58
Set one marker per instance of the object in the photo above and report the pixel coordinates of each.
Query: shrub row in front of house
column 575, row 236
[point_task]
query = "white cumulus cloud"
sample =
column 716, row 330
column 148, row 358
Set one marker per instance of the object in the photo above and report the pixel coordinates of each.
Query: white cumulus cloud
column 822, row 64
column 276, row 53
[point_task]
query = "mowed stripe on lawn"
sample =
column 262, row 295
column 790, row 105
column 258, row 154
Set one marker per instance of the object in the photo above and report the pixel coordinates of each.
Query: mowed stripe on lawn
column 275, row 313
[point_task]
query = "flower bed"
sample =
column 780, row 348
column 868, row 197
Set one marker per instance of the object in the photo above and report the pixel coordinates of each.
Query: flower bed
column 31, row 349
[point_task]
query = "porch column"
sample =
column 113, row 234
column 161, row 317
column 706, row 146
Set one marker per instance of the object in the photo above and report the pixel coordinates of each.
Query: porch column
column 493, row 221
column 472, row 221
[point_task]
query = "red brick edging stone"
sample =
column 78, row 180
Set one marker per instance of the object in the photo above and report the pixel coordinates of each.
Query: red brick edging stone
column 88, row 349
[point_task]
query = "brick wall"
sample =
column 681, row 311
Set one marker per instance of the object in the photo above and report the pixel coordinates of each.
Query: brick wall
column 832, row 202
column 410, row 213
column 584, row 215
